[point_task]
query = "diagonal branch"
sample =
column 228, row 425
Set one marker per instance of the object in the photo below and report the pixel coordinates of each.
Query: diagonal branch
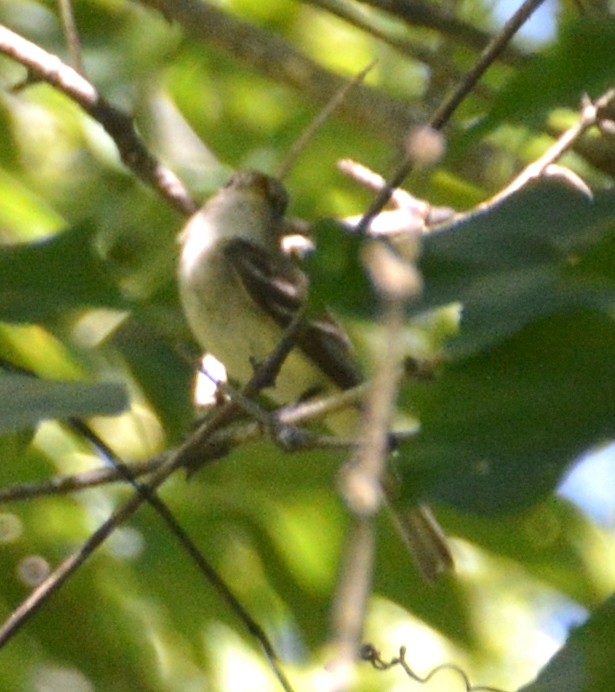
column 147, row 493
column 120, row 126
column 431, row 16
column 372, row 24
column 451, row 103
column 592, row 114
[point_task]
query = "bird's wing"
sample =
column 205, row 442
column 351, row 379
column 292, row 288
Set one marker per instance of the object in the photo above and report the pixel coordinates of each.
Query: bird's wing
column 278, row 287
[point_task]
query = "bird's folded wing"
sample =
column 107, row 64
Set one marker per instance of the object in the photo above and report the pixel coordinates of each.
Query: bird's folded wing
column 279, row 288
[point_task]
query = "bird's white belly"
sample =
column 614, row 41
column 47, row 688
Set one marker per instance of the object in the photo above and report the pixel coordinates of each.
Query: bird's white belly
column 230, row 326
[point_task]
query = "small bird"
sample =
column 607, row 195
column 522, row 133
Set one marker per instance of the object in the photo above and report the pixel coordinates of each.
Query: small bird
column 240, row 290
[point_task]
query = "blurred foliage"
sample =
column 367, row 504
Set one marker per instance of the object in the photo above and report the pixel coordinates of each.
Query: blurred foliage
column 518, row 393
column 569, row 670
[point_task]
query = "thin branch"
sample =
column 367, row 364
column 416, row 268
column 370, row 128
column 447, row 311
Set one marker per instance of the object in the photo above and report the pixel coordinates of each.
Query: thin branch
column 430, row 15
column 448, row 107
column 63, row 485
column 592, row 114
column 207, row 450
column 72, row 35
column 59, row 576
column 351, row 598
column 599, row 152
column 56, row 579
column 264, row 376
column 490, row 54
column 203, row 445
column 408, row 215
column 146, row 492
column 117, row 124
column 308, row 134
column 371, row 23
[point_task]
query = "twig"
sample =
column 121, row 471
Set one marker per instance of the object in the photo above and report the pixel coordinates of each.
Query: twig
column 264, row 376
column 117, row 124
column 591, row 116
column 409, row 214
column 62, row 485
column 308, row 134
column 494, row 49
column 372, row 24
column 72, row 35
column 429, row 14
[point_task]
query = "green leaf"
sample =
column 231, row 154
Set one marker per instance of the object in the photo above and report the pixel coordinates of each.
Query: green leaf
column 586, row 661
column 544, row 250
column 160, row 371
column 499, row 429
column 547, row 540
column 41, row 279
column 338, row 279
column 25, row 401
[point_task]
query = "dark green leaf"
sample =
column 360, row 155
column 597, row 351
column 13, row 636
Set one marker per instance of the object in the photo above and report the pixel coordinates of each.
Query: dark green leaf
column 25, row 401
column 337, row 276
column 41, row 279
column 544, row 250
column 164, row 376
column 585, row 664
column 499, row 429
